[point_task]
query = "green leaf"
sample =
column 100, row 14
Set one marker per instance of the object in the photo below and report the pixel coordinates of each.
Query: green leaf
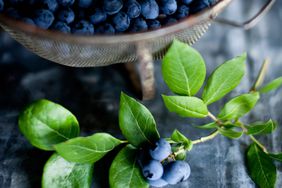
column 272, row 85
column 261, row 167
column 45, row 124
column 277, row 156
column 59, row 173
column 125, row 171
column 136, row 122
column 186, row 106
column 212, row 125
column 224, row 79
column 87, row 149
column 230, row 133
column 183, row 69
column 239, row 106
column 261, row 128
column 183, row 140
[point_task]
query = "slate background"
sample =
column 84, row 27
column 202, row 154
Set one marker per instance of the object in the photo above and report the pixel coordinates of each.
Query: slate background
column 93, row 97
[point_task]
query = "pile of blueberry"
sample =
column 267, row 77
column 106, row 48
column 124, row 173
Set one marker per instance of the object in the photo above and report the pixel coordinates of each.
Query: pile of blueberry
column 159, row 168
column 90, row 17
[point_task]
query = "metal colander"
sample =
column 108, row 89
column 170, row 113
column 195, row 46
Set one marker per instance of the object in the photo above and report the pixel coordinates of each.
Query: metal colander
column 92, row 51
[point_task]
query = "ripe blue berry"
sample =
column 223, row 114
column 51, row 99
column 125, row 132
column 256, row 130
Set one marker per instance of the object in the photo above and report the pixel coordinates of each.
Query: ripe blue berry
column 84, row 3
column 66, row 3
column 28, row 21
column 161, row 151
column 168, row 7
column 62, row 27
column 149, row 9
column 83, row 27
column 121, row 21
column 43, row 18
column 1, row 5
column 157, row 183
column 66, row 15
column 187, row 2
column 112, row 6
column 138, row 24
column 98, row 16
column 182, row 12
column 176, row 171
column 105, row 29
column 153, row 170
column 132, row 8
column 51, row 5
column 154, row 24
column 169, row 21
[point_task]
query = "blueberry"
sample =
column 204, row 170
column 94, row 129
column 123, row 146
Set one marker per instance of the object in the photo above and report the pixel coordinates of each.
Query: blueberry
column 153, row 170
column 149, row 9
column 98, row 16
column 12, row 12
column 51, row 5
column 85, row 3
column 121, row 21
column 176, row 171
column 157, row 183
column 200, row 5
column 132, row 8
column 105, row 29
column 112, row 6
column 138, row 24
column 161, row 151
column 28, row 21
column 1, row 5
column 43, row 18
column 182, row 12
column 65, row 3
column 187, row 2
column 61, row 26
column 83, row 27
column 153, row 24
column 66, row 15
column 168, row 7
column 169, row 21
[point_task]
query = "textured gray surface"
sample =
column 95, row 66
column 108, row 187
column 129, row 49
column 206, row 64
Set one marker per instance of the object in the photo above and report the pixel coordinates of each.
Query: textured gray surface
column 93, row 97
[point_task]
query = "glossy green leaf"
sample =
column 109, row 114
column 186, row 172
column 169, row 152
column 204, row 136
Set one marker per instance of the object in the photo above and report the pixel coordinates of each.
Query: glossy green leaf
column 186, row 106
column 183, row 140
column 136, row 122
column 224, row 79
column 183, row 69
column 59, row 173
column 87, row 149
column 261, row 167
column 230, row 133
column 261, row 128
column 45, row 124
column 275, row 84
column 212, row 125
column 125, row 171
column 276, row 156
column 239, row 106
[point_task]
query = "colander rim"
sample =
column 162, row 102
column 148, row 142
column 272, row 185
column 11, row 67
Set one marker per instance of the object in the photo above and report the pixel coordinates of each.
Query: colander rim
column 205, row 15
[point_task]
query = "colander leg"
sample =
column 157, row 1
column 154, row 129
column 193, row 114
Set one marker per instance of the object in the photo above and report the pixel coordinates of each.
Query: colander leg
column 142, row 73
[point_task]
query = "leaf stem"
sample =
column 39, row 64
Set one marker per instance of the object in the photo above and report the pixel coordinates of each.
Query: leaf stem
column 215, row 119
column 261, row 75
column 206, row 138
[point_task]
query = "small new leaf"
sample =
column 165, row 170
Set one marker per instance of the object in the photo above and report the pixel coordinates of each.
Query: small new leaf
column 212, row 125
column 125, row 171
column 277, row 156
column 261, row 167
column 275, row 84
column 183, row 140
column 186, row 106
column 45, row 124
column 136, row 122
column 224, row 79
column 230, row 133
column 261, row 128
column 87, row 149
column 183, row 69
column 239, row 106
column 59, row 173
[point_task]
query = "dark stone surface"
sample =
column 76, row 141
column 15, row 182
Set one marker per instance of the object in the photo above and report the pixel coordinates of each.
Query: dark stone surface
column 93, row 96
